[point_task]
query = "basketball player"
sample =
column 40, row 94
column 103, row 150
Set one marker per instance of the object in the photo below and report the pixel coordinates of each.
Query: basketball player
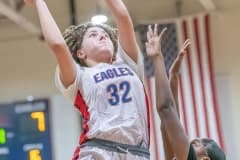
column 102, row 76
column 198, row 149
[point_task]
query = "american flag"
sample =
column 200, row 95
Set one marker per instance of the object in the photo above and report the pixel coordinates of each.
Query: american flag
column 197, row 94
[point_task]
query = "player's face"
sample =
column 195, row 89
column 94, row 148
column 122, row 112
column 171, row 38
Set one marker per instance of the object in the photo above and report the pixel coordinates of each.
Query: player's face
column 97, row 45
column 200, row 151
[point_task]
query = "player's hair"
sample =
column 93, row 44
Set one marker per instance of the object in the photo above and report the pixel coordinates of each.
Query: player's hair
column 213, row 150
column 73, row 37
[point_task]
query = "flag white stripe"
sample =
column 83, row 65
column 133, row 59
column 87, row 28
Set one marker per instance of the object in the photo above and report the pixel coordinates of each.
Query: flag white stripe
column 202, row 114
column 201, row 30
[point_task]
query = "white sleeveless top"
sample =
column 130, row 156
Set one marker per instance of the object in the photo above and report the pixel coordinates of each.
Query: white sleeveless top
column 111, row 99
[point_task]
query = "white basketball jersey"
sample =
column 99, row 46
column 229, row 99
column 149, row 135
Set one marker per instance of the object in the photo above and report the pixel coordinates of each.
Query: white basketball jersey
column 112, row 101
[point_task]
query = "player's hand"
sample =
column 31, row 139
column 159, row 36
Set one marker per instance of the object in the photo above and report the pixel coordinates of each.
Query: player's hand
column 175, row 68
column 153, row 44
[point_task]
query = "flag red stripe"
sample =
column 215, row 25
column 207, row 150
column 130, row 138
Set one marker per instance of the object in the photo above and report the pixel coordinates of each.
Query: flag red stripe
column 214, row 96
column 183, row 105
column 189, row 67
column 200, row 67
column 153, row 125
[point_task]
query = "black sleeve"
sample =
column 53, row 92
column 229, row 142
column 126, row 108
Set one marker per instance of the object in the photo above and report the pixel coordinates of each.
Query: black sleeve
column 191, row 153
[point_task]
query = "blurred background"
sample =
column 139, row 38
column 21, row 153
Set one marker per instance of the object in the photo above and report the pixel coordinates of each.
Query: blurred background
column 27, row 69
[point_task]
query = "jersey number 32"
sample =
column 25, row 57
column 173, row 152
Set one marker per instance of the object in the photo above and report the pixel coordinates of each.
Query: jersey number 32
column 119, row 93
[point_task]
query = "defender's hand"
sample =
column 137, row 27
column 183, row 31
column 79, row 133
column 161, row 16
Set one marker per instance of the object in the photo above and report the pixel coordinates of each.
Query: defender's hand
column 175, row 68
column 153, row 44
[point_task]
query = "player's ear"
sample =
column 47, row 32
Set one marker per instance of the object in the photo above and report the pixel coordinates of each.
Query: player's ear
column 81, row 54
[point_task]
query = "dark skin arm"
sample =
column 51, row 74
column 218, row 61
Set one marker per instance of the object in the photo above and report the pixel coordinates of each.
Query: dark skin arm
column 173, row 81
column 168, row 152
column 151, row 49
column 174, row 73
column 164, row 99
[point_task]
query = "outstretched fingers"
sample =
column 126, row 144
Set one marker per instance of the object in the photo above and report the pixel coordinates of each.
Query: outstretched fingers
column 162, row 33
column 177, row 63
column 155, row 29
column 185, row 45
column 150, row 30
column 153, row 32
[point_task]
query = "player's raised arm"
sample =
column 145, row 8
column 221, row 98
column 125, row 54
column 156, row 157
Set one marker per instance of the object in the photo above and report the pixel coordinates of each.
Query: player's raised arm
column 153, row 48
column 125, row 27
column 164, row 100
column 56, row 42
column 174, row 73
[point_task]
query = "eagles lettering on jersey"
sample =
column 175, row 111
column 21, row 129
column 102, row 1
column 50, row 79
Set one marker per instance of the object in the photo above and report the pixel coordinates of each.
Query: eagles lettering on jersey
column 115, row 100
column 112, row 73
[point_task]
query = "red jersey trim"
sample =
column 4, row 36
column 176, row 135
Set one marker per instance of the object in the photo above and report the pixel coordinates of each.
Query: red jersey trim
column 82, row 107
